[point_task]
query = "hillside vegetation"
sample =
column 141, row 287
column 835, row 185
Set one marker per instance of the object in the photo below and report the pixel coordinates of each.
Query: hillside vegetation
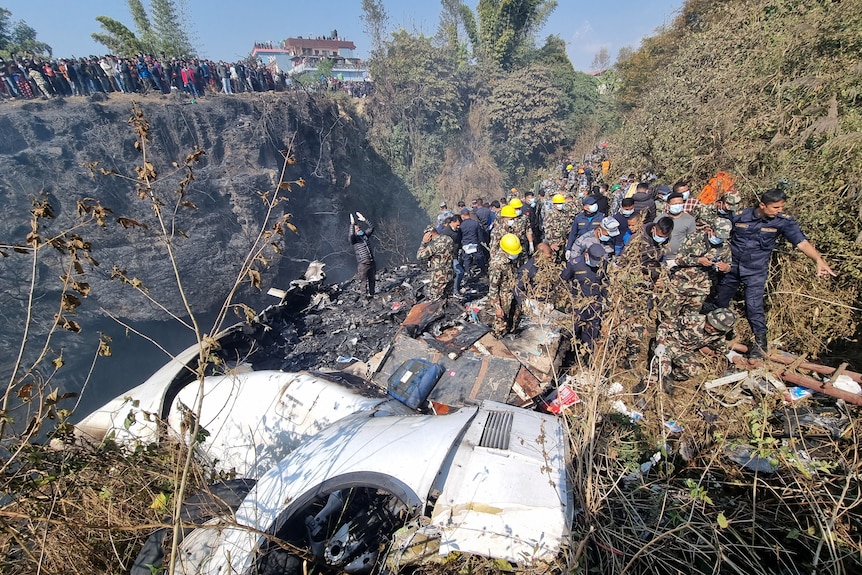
column 769, row 90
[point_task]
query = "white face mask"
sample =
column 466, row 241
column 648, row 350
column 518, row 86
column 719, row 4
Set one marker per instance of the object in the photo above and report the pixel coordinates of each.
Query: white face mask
column 675, row 209
column 559, row 207
column 517, row 212
column 686, row 194
column 658, row 239
column 512, row 257
column 592, row 208
column 604, row 238
column 627, row 213
column 510, row 223
column 533, row 203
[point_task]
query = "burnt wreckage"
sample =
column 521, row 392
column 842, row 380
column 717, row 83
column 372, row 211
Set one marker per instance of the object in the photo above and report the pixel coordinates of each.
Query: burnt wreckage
column 364, row 433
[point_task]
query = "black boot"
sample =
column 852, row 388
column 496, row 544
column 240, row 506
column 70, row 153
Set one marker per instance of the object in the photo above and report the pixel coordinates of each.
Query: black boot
column 759, row 347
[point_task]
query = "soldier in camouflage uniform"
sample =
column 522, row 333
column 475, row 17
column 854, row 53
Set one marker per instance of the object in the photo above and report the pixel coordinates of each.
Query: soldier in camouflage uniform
column 702, row 257
column 506, row 223
column 558, row 223
column 502, row 279
column 683, row 337
column 724, row 207
column 438, row 250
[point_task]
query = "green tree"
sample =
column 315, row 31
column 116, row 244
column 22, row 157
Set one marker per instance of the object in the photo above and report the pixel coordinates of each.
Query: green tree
column 376, row 21
column 19, row 37
column 505, row 26
column 5, row 32
column 416, row 107
column 142, row 24
column 118, row 39
column 529, row 116
column 172, row 38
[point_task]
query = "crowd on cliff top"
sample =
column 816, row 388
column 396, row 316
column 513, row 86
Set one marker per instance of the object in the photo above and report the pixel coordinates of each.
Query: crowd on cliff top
column 32, row 77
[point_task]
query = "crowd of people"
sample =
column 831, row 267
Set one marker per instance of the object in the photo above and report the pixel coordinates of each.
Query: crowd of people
column 29, row 77
column 574, row 241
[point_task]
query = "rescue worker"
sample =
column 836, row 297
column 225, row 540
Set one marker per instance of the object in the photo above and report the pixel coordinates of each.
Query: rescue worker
column 756, row 232
column 680, row 339
column 558, row 223
column 702, row 259
column 437, row 250
column 587, row 276
column 504, row 224
column 444, row 213
column 366, row 269
column 606, row 235
column 538, row 279
column 452, row 228
column 472, row 236
column 522, row 227
column 502, row 279
column 683, row 226
column 723, row 207
column 585, row 222
column 532, row 212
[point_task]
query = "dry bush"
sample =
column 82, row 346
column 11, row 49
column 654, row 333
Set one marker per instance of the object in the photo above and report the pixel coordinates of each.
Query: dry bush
column 86, row 509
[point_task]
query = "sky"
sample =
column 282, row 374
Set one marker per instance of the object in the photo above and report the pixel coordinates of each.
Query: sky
column 227, row 30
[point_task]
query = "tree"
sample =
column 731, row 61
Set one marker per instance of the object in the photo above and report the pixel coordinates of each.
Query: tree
column 507, row 25
column 19, row 37
column 529, row 115
column 119, row 40
column 376, row 21
column 146, row 36
column 172, row 39
column 602, row 60
column 5, row 35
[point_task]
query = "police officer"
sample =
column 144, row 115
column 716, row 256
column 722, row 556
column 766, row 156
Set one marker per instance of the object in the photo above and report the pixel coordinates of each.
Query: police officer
column 586, row 274
column 756, row 232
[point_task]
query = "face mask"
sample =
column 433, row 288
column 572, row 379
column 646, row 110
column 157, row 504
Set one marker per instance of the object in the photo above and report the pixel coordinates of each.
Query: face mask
column 658, row 239
column 593, row 208
column 588, row 262
column 510, row 223
column 675, row 209
column 627, row 213
column 532, row 203
column 685, row 195
column 559, row 207
column 517, row 212
column 512, row 257
column 360, row 233
column 716, row 241
column 604, row 238
column 723, row 212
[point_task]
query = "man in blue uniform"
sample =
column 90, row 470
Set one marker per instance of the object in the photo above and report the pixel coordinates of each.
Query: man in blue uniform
column 586, row 272
column 755, row 234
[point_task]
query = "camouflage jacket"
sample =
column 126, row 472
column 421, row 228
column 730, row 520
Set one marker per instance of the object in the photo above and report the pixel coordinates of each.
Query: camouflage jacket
column 502, row 278
column 438, row 252
column 557, row 224
column 686, row 334
column 689, row 273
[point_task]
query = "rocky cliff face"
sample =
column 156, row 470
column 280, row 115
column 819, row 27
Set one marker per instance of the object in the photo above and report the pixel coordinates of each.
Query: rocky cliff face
column 45, row 148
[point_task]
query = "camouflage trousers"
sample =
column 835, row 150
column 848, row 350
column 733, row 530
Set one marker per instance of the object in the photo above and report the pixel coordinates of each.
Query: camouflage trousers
column 511, row 316
column 680, row 364
column 441, row 283
column 678, row 300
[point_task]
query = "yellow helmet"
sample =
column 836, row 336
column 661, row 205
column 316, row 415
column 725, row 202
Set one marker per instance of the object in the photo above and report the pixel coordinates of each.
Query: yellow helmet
column 516, row 203
column 508, row 211
column 559, row 199
column 510, row 244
